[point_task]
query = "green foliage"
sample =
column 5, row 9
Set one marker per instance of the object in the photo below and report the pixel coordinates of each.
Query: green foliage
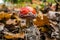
column 51, row 1
column 17, row 1
column 6, row 0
